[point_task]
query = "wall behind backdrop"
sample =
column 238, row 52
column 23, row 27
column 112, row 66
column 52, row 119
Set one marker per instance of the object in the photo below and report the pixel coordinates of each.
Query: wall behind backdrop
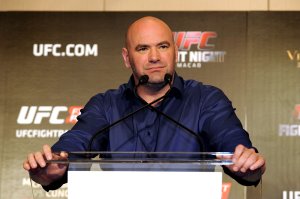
column 146, row 5
column 52, row 63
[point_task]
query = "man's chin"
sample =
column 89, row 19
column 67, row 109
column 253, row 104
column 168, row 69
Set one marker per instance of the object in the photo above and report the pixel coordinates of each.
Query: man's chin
column 156, row 79
column 159, row 84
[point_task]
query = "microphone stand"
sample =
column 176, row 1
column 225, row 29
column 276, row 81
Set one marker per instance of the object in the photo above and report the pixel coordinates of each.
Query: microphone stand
column 121, row 119
column 198, row 137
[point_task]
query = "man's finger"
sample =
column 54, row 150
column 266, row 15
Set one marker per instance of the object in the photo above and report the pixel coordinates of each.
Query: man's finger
column 241, row 163
column 238, row 152
column 259, row 163
column 31, row 161
column 39, row 157
column 249, row 161
column 47, row 151
column 26, row 165
column 63, row 154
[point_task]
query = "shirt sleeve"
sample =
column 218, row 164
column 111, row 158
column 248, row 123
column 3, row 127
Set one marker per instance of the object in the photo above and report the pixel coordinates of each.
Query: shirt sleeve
column 223, row 130
column 91, row 120
column 220, row 125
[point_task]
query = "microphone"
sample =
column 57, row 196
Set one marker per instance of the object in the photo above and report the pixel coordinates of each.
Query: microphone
column 168, row 79
column 142, row 80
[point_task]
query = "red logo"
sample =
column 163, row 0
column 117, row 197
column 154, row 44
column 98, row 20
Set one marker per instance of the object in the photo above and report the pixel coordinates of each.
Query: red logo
column 226, row 190
column 74, row 111
column 202, row 40
column 297, row 111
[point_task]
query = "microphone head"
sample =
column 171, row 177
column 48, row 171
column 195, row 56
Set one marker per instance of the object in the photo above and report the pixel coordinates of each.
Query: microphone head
column 168, row 78
column 143, row 79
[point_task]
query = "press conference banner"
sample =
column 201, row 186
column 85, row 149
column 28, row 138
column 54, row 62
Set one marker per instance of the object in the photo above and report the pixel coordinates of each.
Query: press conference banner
column 51, row 63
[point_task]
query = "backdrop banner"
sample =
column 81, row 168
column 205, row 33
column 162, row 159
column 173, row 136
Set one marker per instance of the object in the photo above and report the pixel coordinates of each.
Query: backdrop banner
column 52, row 63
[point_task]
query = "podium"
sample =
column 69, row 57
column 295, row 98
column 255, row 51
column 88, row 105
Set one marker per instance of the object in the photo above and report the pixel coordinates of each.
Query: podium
column 151, row 175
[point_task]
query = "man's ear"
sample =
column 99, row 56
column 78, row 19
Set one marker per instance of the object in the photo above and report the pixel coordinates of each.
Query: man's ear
column 126, row 57
column 176, row 53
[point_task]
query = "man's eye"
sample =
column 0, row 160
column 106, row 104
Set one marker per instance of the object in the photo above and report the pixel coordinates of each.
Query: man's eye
column 142, row 49
column 164, row 46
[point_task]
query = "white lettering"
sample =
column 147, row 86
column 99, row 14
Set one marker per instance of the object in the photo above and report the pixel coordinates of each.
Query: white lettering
column 291, row 195
column 71, row 50
column 207, row 56
column 38, row 50
column 54, row 116
column 55, row 50
column 26, row 182
column 39, row 133
column 189, row 65
column 182, row 56
column 79, row 50
column 47, row 49
column 297, row 194
column 289, row 130
column 225, row 187
column 22, row 118
column 59, row 193
column 44, row 112
column 35, row 115
column 91, row 50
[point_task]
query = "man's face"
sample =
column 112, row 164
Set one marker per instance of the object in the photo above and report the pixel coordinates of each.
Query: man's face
column 150, row 50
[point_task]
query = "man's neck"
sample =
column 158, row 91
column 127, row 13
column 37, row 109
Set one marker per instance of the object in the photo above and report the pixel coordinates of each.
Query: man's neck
column 150, row 94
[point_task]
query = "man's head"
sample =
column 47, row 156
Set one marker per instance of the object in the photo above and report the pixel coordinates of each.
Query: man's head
column 150, row 49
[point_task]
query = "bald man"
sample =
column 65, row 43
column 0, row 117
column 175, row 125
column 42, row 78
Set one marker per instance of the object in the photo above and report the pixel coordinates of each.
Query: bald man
column 151, row 54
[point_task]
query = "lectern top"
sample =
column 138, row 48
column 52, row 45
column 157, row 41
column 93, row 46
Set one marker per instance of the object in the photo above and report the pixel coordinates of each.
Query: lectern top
column 205, row 158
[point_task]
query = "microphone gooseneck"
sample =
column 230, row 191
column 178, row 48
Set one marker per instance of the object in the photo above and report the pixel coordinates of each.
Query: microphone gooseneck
column 142, row 81
column 120, row 120
column 191, row 132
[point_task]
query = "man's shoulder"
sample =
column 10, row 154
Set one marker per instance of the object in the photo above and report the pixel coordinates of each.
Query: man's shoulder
column 192, row 84
column 203, row 92
column 110, row 93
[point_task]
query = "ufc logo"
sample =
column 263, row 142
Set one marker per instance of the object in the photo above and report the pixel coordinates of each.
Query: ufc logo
column 36, row 114
column 184, row 40
column 297, row 111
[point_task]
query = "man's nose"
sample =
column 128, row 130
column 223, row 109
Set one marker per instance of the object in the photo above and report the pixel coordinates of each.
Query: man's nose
column 154, row 55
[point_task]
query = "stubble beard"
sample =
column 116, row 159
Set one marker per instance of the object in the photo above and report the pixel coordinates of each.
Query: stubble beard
column 155, row 82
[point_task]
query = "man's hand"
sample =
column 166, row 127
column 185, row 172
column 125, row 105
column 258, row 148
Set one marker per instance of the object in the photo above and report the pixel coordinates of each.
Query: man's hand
column 245, row 160
column 40, row 171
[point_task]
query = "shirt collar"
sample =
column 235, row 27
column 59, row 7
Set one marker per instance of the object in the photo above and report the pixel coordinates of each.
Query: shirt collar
column 177, row 86
column 130, row 86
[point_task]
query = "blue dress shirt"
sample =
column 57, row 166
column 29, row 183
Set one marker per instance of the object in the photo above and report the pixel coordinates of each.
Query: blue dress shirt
column 202, row 108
